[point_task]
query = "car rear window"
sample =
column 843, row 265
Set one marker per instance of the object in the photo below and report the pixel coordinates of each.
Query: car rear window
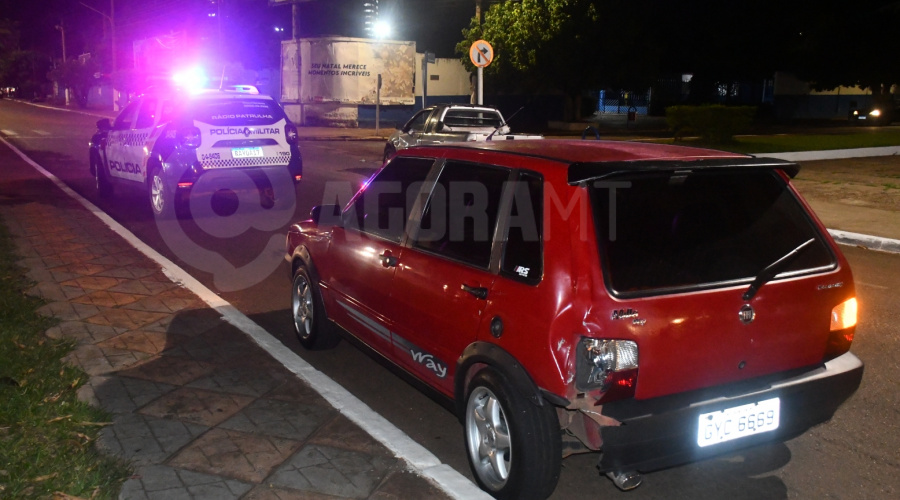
column 471, row 118
column 228, row 112
column 666, row 232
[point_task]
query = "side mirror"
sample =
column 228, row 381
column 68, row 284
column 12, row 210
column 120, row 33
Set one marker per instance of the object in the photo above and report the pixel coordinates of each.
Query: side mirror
column 439, row 127
column 104, row 125
column 326, row 215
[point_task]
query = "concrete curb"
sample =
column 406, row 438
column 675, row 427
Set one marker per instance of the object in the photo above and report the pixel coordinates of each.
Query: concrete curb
column 834, row 154
column 866, row 241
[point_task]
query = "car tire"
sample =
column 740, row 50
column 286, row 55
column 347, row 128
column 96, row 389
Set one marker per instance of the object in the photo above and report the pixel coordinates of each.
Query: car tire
column 513, row 446
column 101, row 178
column 160, row 197
column 389, row 152
column 312, row 326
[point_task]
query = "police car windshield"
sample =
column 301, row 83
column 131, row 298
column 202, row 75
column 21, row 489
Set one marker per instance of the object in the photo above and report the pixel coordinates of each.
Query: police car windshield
column 224, row 112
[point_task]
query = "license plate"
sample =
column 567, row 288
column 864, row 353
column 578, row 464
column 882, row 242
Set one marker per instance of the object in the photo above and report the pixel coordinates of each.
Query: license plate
column 862, row 117
column 247, row 152
column 737, row 422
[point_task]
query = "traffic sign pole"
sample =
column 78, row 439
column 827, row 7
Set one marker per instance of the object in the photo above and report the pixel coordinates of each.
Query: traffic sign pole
column 480, row 85
column 481, row 54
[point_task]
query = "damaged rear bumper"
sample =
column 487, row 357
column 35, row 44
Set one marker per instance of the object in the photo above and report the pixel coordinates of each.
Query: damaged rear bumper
column 662, row 432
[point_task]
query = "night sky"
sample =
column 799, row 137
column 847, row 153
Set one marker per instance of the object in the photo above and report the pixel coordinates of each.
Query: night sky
column 248, row 25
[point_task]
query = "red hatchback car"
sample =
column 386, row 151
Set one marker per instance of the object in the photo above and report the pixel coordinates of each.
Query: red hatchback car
column 657, row 304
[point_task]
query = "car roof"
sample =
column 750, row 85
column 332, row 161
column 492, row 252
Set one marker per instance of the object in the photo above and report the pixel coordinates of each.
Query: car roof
column 591, row 160
column 464, row 106
column 203, row 94
column 581, row 151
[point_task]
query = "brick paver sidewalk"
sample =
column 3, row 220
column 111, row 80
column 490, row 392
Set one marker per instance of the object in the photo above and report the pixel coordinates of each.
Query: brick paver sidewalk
column 201, row 410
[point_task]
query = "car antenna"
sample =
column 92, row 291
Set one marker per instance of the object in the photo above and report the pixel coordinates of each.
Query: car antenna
column 505, row 121
column 222, row 79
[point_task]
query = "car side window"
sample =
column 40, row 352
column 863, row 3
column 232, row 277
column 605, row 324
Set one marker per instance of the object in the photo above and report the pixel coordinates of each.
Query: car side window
column 461, row 214
column 382, row 207
column 147, row 114
column 123, row 121
column 417, row 122
column 523, row 246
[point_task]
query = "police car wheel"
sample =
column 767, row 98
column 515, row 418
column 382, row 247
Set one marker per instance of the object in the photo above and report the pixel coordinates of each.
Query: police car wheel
column 160, row 198
column 101, row 179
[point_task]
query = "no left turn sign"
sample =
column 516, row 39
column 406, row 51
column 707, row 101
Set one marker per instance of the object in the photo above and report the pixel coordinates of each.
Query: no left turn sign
column 481, row 53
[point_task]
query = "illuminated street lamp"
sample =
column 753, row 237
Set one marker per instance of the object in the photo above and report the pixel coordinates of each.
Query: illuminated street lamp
column 381, row 29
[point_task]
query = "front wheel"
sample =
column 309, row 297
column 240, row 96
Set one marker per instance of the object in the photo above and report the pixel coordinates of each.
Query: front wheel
column 310, row 322
column 514, row 446
column 389, row 152
column 101, row 178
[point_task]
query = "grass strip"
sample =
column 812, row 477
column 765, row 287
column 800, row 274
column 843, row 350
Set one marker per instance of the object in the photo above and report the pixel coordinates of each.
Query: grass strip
column 785, row 143
column 46, row 434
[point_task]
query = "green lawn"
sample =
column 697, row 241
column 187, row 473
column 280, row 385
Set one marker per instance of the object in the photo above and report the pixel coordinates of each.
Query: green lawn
column 46, row 434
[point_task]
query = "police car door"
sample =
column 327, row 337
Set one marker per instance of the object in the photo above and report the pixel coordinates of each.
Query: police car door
column 116, row 149
column 136, row 153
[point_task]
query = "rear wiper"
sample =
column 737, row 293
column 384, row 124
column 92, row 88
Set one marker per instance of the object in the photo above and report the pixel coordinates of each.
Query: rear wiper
column 504, row 122
column 774, row 268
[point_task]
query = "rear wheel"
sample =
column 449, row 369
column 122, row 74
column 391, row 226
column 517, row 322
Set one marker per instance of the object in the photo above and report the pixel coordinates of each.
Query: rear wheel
column 514, row 446
column 310, row 322
column 161, row 200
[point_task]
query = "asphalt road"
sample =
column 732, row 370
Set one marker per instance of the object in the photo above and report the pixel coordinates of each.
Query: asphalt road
column 851, row 457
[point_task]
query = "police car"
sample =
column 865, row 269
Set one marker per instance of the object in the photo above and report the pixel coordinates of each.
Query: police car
column 164, row 141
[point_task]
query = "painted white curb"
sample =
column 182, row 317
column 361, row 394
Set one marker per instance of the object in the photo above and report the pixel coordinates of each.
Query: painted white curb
column 404, row 447
column 865, row 240
column 834, row 154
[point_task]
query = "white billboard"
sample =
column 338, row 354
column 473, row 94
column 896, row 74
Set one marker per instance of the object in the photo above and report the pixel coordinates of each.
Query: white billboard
column 345, row 70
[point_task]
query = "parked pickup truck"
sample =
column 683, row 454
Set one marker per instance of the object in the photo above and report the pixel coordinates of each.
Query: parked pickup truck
column 444, row 123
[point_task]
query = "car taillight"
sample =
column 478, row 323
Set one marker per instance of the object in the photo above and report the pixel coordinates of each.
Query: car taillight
column 189, row 137
column 843, row 328
column 843, row 315
column 290, row 134
column 610, row 366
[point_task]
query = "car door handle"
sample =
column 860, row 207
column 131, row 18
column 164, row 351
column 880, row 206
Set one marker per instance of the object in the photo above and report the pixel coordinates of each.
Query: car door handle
column 478, row 291
column 388, row 260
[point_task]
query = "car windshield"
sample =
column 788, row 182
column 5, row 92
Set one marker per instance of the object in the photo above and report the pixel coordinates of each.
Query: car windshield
column 666, row 232
column 229, row 112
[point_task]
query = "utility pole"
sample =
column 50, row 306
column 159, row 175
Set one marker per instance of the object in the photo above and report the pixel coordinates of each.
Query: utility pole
column 112, row 37
column 62, row 30
column 295, row 21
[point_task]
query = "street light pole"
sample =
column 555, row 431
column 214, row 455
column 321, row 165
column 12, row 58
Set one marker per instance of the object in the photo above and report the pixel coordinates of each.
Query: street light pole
column 112, row 39
column 62, row 30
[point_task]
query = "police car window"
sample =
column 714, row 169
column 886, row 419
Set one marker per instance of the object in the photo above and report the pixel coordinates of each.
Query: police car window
column 523, row 249
column 227, row 112
column 383, row 207
column 461, row 214
column 123, row 121
column 167, row 111
column 147, row 114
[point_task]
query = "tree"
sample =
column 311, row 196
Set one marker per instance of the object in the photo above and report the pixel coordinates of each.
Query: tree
column 850, row 47
column 568, row 46
column 75, row 75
